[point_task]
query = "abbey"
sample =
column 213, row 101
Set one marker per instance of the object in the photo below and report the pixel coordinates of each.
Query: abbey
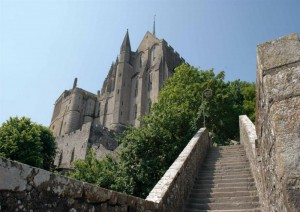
column 131, row 86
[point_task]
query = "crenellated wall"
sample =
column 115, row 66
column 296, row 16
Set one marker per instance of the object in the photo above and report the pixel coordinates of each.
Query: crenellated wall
column 26, row 188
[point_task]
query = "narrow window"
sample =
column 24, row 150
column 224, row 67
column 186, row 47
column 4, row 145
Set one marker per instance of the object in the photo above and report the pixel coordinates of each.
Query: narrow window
column 72, row 155
column 141, row 60
column 153, row 52
column 136, row 88
column 149, row 104
column 149, row 81
column 99, row 106
column 135, row 111
column 60, row 158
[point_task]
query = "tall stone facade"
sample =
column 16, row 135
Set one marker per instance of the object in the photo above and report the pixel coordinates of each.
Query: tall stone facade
column 278, row 121
column 131, row 86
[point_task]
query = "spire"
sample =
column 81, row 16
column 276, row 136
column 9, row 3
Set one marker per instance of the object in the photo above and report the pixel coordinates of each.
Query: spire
column 154, row 25
column 126, row 43
column 75, row 83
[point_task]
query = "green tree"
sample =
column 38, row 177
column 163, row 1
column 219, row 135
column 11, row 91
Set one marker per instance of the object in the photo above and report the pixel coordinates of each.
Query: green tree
column 27, row 142
column 91, row 170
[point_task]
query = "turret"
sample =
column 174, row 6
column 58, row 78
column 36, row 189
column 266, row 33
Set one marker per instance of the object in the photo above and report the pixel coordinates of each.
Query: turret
column 124, row 71
column 125, row 49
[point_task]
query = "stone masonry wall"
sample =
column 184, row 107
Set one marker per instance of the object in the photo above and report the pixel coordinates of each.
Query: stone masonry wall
column 72, row 146
column 278, row 121
column 174, row 187
column 26, row 188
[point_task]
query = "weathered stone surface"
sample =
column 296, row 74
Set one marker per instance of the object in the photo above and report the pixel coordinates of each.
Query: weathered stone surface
column 26, row 188
column 31, row 189
column 275, row 157
column 278, row 52
column 248, row 139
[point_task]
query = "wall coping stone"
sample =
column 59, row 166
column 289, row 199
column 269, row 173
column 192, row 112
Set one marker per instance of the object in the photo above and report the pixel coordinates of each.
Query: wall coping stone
column 28, row 188
column 190, row 158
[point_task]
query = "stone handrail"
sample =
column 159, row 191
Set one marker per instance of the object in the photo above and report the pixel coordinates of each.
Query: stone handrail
column 174, row 187
column 29, row 188
column 248, row 139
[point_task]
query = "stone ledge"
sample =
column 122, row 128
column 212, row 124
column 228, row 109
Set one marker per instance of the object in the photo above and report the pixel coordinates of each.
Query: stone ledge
column 275, row 53
column 27, row 188
column 174, row 187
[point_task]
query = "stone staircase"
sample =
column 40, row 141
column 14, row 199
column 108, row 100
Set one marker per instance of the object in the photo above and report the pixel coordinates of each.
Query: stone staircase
column 224, row 183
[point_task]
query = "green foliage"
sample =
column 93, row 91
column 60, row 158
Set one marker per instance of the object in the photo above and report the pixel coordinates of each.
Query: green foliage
column 149, row 150
column 91, row 170
column 27, row 142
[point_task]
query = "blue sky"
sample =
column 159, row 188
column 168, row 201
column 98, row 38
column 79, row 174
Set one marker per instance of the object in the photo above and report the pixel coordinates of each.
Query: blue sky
column 45, row 44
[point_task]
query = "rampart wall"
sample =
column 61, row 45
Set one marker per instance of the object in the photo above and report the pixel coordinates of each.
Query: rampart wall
column 26, row 188
column 72, row 146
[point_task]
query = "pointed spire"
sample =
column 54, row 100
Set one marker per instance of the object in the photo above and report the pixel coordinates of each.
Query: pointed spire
column 154, row 25
column 126, row 43
column 75, row 83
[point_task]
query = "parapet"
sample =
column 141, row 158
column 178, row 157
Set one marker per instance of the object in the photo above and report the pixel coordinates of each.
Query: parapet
column 275, row 53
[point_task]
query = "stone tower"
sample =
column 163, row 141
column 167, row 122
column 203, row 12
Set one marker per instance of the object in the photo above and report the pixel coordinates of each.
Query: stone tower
column 134, row 81
column 122, row 89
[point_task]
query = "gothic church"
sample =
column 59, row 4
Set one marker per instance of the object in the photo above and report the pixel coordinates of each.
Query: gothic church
column 132, row 84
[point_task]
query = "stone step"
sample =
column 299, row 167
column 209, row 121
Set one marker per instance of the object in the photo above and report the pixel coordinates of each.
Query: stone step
column 226, row 153
column 226, row 160
column 222, row 194
column 226, row 171
column 226, row 157
column 239, row 210
column 224, row 199
column 224, row 167
column 223, row 185
column 229, row 180
column 221, row 163
column 226, row 148
column 226, row 189
column 210, row 175
column 223, row 177
column 237, row 152
column 223, row 206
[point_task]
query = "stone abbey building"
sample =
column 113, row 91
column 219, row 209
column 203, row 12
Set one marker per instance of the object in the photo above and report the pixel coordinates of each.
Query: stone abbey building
column 83, row 120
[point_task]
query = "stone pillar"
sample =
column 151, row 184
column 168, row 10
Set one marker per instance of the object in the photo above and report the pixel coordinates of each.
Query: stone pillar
column 278, row 121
